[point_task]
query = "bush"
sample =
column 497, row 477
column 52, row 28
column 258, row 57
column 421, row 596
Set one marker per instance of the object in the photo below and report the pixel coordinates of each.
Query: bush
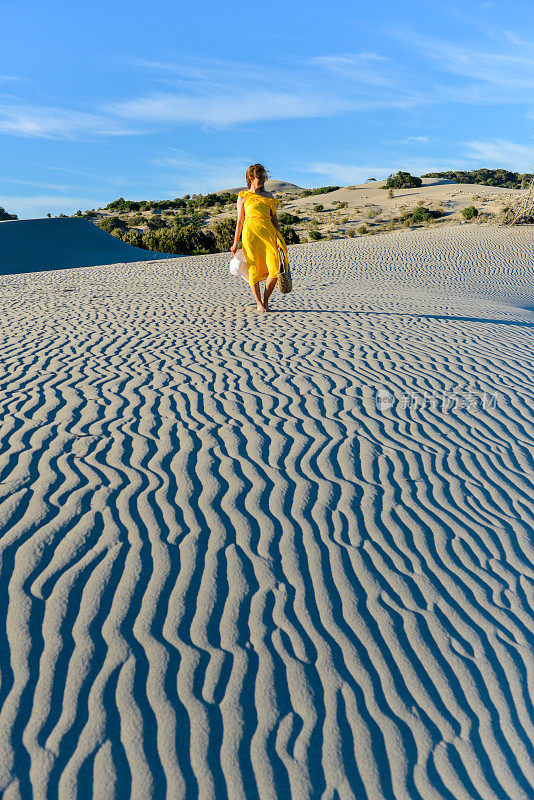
column 111, row 223
column 315, row 235
column 287, row 219
column 186, row 240
column 133, row 237
column 486, row 177
column 224, row 232
column 318, row 207
column 4, row 216
column 137, row 219
column 403, row 180
column 154, row 223
column 362, row 230
column 325, row 189
column 290, row 235
column 421, row 214
column 351, row 232
column 470, row 212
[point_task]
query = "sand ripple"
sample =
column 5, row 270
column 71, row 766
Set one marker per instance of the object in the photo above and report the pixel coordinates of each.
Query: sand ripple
column 226, row 572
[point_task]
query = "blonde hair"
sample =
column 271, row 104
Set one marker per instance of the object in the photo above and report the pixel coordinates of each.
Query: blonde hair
column 255, row 171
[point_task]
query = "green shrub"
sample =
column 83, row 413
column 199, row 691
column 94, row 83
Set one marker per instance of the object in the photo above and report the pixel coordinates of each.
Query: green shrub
column 186, row 240
column 290, row 235
column 351, row 232
column 110, row 223
column 421, row 214
column 4, row 216
column 315, row 235
column 470, row 212
column 133, row 237
column 154, row 223
column 362, row 230
column 318, row 207
column 325, row 189
column 403, row 180
column 224, row 232
column 287, row 219
column 137, row 219
column 486, row 177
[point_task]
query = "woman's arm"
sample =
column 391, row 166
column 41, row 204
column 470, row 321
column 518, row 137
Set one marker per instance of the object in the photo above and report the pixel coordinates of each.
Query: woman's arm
column 239, row 223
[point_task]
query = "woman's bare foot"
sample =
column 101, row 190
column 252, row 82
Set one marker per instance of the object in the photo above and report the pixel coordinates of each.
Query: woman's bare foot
column 266, row 305
column 261, row 309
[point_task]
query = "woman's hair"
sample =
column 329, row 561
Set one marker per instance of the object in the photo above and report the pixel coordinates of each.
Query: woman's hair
column 255, row 171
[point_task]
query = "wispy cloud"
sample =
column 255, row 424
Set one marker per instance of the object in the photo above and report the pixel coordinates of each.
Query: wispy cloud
column 318, row 87
column 505, row 65
column 56, row 123
column 13, row 79
column 502, row 153
column 229, row 107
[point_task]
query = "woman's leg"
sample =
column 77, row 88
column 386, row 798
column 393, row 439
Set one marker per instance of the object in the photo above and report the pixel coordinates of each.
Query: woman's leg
column 257, row 296
column 270, row 283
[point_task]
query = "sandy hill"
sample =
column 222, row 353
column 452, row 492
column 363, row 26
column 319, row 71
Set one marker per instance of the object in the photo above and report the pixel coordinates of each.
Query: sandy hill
column 270, row 185
column 39, row 244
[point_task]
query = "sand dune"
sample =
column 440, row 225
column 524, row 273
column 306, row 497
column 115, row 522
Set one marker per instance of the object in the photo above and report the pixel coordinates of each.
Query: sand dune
column 271, row 185
column 247, row 556
column 38, row 244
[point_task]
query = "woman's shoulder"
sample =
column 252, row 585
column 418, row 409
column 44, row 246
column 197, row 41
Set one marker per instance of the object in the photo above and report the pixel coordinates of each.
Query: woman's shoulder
column 242, row 193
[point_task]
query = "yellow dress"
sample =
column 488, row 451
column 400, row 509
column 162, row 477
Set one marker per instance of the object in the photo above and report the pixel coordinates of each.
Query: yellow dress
column 259, row 237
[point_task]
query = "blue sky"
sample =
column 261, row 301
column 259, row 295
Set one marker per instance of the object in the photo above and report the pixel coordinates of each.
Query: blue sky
column 154, row 99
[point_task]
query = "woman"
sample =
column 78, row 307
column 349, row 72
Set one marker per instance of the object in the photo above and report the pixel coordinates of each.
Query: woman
column 256, row 217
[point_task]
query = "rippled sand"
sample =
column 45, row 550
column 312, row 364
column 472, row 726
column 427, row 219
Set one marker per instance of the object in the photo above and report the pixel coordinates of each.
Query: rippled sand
column 247, row 556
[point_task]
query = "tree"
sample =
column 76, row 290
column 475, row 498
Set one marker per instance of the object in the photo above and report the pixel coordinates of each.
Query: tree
column 403, row 180
column 4, row 216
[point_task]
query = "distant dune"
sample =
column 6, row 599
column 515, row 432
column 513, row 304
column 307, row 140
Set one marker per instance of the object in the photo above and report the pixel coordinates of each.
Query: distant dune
column 43, row 244
column 270, row 185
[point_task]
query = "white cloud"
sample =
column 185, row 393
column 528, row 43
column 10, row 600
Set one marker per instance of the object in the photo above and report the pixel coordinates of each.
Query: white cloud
column 228, row 108
column 56, row 123
column 369, row 69
column 320, row 87
column 501, row 153
column 503, row 67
